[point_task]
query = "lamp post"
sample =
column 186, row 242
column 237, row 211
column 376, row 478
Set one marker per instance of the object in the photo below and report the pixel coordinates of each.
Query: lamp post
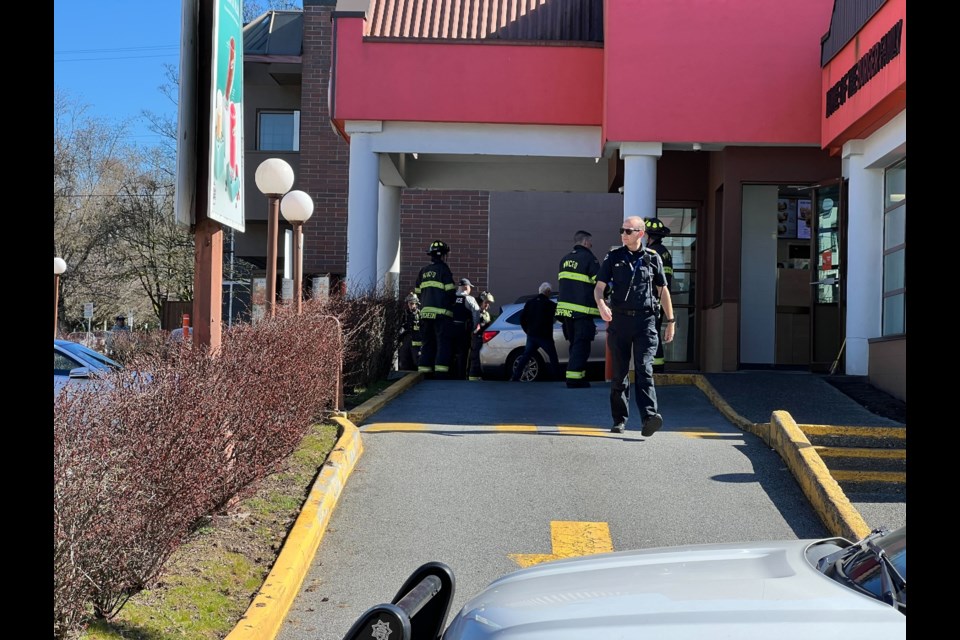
column 59, row 266
column 297, row 207
column 274, row 177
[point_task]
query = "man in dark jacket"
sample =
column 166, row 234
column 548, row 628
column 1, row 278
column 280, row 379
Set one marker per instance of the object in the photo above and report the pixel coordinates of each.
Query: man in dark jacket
column 537, row 320
column 576, row 308
column 435, row 288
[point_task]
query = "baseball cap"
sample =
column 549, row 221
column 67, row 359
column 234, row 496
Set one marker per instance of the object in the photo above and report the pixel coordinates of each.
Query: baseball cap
column 465, row 283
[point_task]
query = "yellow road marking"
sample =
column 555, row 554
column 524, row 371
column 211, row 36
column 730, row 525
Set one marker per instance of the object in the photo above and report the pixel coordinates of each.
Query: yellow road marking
column 516, row 428
column 841, row 475
column 570, row 539
column 583, row 431
column 865, row 432
column 861, row 452
column 394, row 426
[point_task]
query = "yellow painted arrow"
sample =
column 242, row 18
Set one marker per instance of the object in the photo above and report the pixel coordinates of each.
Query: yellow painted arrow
column 570, row 539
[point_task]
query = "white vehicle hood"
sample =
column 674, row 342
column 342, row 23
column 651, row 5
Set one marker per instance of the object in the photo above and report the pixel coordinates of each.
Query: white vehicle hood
column 759, row 590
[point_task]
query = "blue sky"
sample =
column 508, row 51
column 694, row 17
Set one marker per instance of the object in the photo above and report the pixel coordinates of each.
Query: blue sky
column 110, row 55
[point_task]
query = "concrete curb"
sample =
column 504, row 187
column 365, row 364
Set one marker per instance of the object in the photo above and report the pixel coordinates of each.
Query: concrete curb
column 359, row 414
column 269, row 608
column 786, row 438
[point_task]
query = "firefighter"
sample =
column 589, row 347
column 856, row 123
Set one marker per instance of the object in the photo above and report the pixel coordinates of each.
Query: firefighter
column 476, row 372
column 435, row 288
column 656, row 231
column 576, row 308
column 409, row 350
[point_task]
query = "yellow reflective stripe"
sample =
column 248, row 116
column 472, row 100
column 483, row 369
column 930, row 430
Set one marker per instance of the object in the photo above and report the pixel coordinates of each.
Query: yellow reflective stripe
column 659, row 361
column 474, row 378
column 582, row 277
column 442, row 368
column 668, row 270
column 576, row 375
column 433, row 283
column 578, row 307
column 416, row 290
column 425, row 369
column 417, row 344
column 432, row 312
column 449, row 287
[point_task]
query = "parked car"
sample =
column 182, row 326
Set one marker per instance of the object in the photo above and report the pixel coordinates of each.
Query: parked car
column 795, row 589
column 504, row 340
column 74, row 362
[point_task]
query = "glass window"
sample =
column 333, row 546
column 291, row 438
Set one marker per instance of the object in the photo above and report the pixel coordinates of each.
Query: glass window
column 893, row 272
column 893, row 309
column 278, row 131
column 682, row 244
column 894, row 248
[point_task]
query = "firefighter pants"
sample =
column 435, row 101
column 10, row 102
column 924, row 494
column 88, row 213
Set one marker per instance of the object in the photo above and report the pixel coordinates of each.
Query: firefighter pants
column 435, row 350
column 580, row 333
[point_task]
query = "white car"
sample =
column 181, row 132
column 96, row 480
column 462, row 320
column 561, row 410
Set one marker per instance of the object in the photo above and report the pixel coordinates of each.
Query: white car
column 785, row 590
column 504, row 341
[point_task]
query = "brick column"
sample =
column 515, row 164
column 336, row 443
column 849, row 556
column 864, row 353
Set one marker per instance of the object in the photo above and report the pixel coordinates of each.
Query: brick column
column 324, row 156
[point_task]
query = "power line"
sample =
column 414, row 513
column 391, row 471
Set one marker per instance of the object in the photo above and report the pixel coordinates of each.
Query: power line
column 115, row 49
column 162, row 55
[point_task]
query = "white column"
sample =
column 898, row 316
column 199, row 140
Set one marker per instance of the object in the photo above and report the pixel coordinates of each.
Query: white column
column 640, row 178
column 362, row 232
column 388, row 244
column 864, row 257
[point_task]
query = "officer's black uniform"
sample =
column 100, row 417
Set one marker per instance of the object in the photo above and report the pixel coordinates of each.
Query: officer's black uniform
column 461, row 332
column 436, row 289
column 656, row 230
column 632, row 277
column 577, row 310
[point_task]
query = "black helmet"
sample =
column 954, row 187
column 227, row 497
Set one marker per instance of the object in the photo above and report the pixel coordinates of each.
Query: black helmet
column 438, row 248
column 655, row 227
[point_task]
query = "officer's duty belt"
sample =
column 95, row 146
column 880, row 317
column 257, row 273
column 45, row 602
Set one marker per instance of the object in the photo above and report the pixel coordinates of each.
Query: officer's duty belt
column 629, row 312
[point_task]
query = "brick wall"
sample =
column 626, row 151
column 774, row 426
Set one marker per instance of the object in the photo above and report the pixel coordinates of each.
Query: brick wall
column 459, row 218
column 324, row 156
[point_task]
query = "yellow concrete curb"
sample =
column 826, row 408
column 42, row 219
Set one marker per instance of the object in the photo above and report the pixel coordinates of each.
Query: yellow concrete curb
column 816, row 481
column 359, row 414
column 266, row 613
column 784, row 435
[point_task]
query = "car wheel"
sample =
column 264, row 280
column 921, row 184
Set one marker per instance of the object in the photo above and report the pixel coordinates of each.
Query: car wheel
column 534, row 369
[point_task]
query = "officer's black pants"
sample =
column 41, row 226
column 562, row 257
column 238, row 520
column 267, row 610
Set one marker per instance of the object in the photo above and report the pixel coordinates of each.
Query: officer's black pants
column 435, row 350
column 475, row 372
column 461, row 350
column 636, row 335
column 580, row 333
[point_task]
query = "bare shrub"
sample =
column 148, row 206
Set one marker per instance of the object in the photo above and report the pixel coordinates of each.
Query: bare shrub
column 141, row 458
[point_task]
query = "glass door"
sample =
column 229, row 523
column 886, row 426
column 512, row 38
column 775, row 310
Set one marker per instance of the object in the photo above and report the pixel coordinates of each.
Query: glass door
column 681, row 354
column 825, row 215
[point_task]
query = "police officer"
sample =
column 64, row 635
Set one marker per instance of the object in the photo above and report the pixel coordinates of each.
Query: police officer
column 466, row 317
column 476, row 371
column 656, row 231
column 409, row 350
column 636, row 280
column 435, row 288
column 576, row 308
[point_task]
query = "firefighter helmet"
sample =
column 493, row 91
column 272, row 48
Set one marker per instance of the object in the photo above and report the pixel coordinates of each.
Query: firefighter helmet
column 412, row 297
column 655, row 227
column 438, row 248
column 486, row 296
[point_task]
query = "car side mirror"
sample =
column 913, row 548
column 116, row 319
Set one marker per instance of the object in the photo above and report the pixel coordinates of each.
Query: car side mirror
column 418, row 611
column 80, row 373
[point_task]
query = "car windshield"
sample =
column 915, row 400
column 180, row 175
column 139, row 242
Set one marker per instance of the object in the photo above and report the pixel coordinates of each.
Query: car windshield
column 877, row 565
column 97, row 360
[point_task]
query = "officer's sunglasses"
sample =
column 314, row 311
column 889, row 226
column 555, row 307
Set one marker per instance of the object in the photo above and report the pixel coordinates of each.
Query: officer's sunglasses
column 629, row 232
